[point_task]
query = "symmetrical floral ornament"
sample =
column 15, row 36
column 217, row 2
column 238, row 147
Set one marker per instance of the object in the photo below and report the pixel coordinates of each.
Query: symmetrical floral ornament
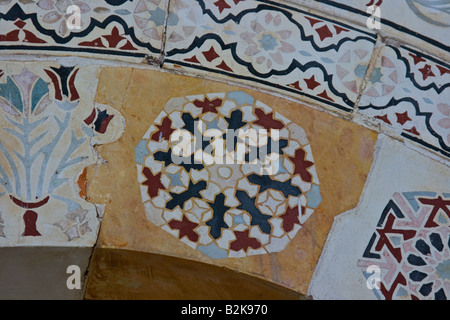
column 408, row 91
column 267, row 39
column 411, row 246
column 328, row 61
column 118, row 28
column 279, row 46
column 282, row 47
column 58, row 14
column 44, row 146
column 210, row 192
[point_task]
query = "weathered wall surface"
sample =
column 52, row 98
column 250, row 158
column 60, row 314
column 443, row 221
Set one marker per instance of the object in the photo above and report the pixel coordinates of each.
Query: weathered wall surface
column 351, row 202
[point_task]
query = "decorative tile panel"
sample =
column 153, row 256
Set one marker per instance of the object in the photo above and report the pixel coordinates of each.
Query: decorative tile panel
column 402, row 223
column 271, row 44
column 215, row 196
column 49, row 125
column 411, row 247
column 109, row 28
column 409, row 92
column 423, row 23
column 141, row 95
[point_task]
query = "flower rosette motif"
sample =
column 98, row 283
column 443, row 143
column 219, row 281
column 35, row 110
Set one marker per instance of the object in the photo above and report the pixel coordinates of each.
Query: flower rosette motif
column 213, row 194
column 57, row 14
column 428, row 265
column 185, row 22
column 150, row 18
column 411, row 247
column 266, row 40
column 145, row 18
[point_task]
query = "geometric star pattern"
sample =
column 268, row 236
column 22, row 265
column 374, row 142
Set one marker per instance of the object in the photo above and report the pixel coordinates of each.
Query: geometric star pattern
column 242, row 186
column 410, row 246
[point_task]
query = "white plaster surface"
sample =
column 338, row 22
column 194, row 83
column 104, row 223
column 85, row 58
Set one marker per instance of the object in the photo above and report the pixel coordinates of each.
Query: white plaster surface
column 396, row 169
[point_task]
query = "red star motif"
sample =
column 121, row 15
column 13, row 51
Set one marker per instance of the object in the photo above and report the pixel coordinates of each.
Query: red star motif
column 312, row 83
column 208, row 105
column 413, row 130
column 290, row 218
column 313, row 21
column 192, row 59
column 384, row 118
column 402, row 118
column 224, row 66
column 243, row 241
column 153, row 182
column 267, row 121
column 114, row 38
column 339, row 29
column 295, row 85
column 324, row 95
column 211, row 54
column 302, row 165
column 221, row 5
column 164, row 130
column 443, row 70
column 427, row 72
column 324, row 32
column 417, row 59
column 186, row 228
